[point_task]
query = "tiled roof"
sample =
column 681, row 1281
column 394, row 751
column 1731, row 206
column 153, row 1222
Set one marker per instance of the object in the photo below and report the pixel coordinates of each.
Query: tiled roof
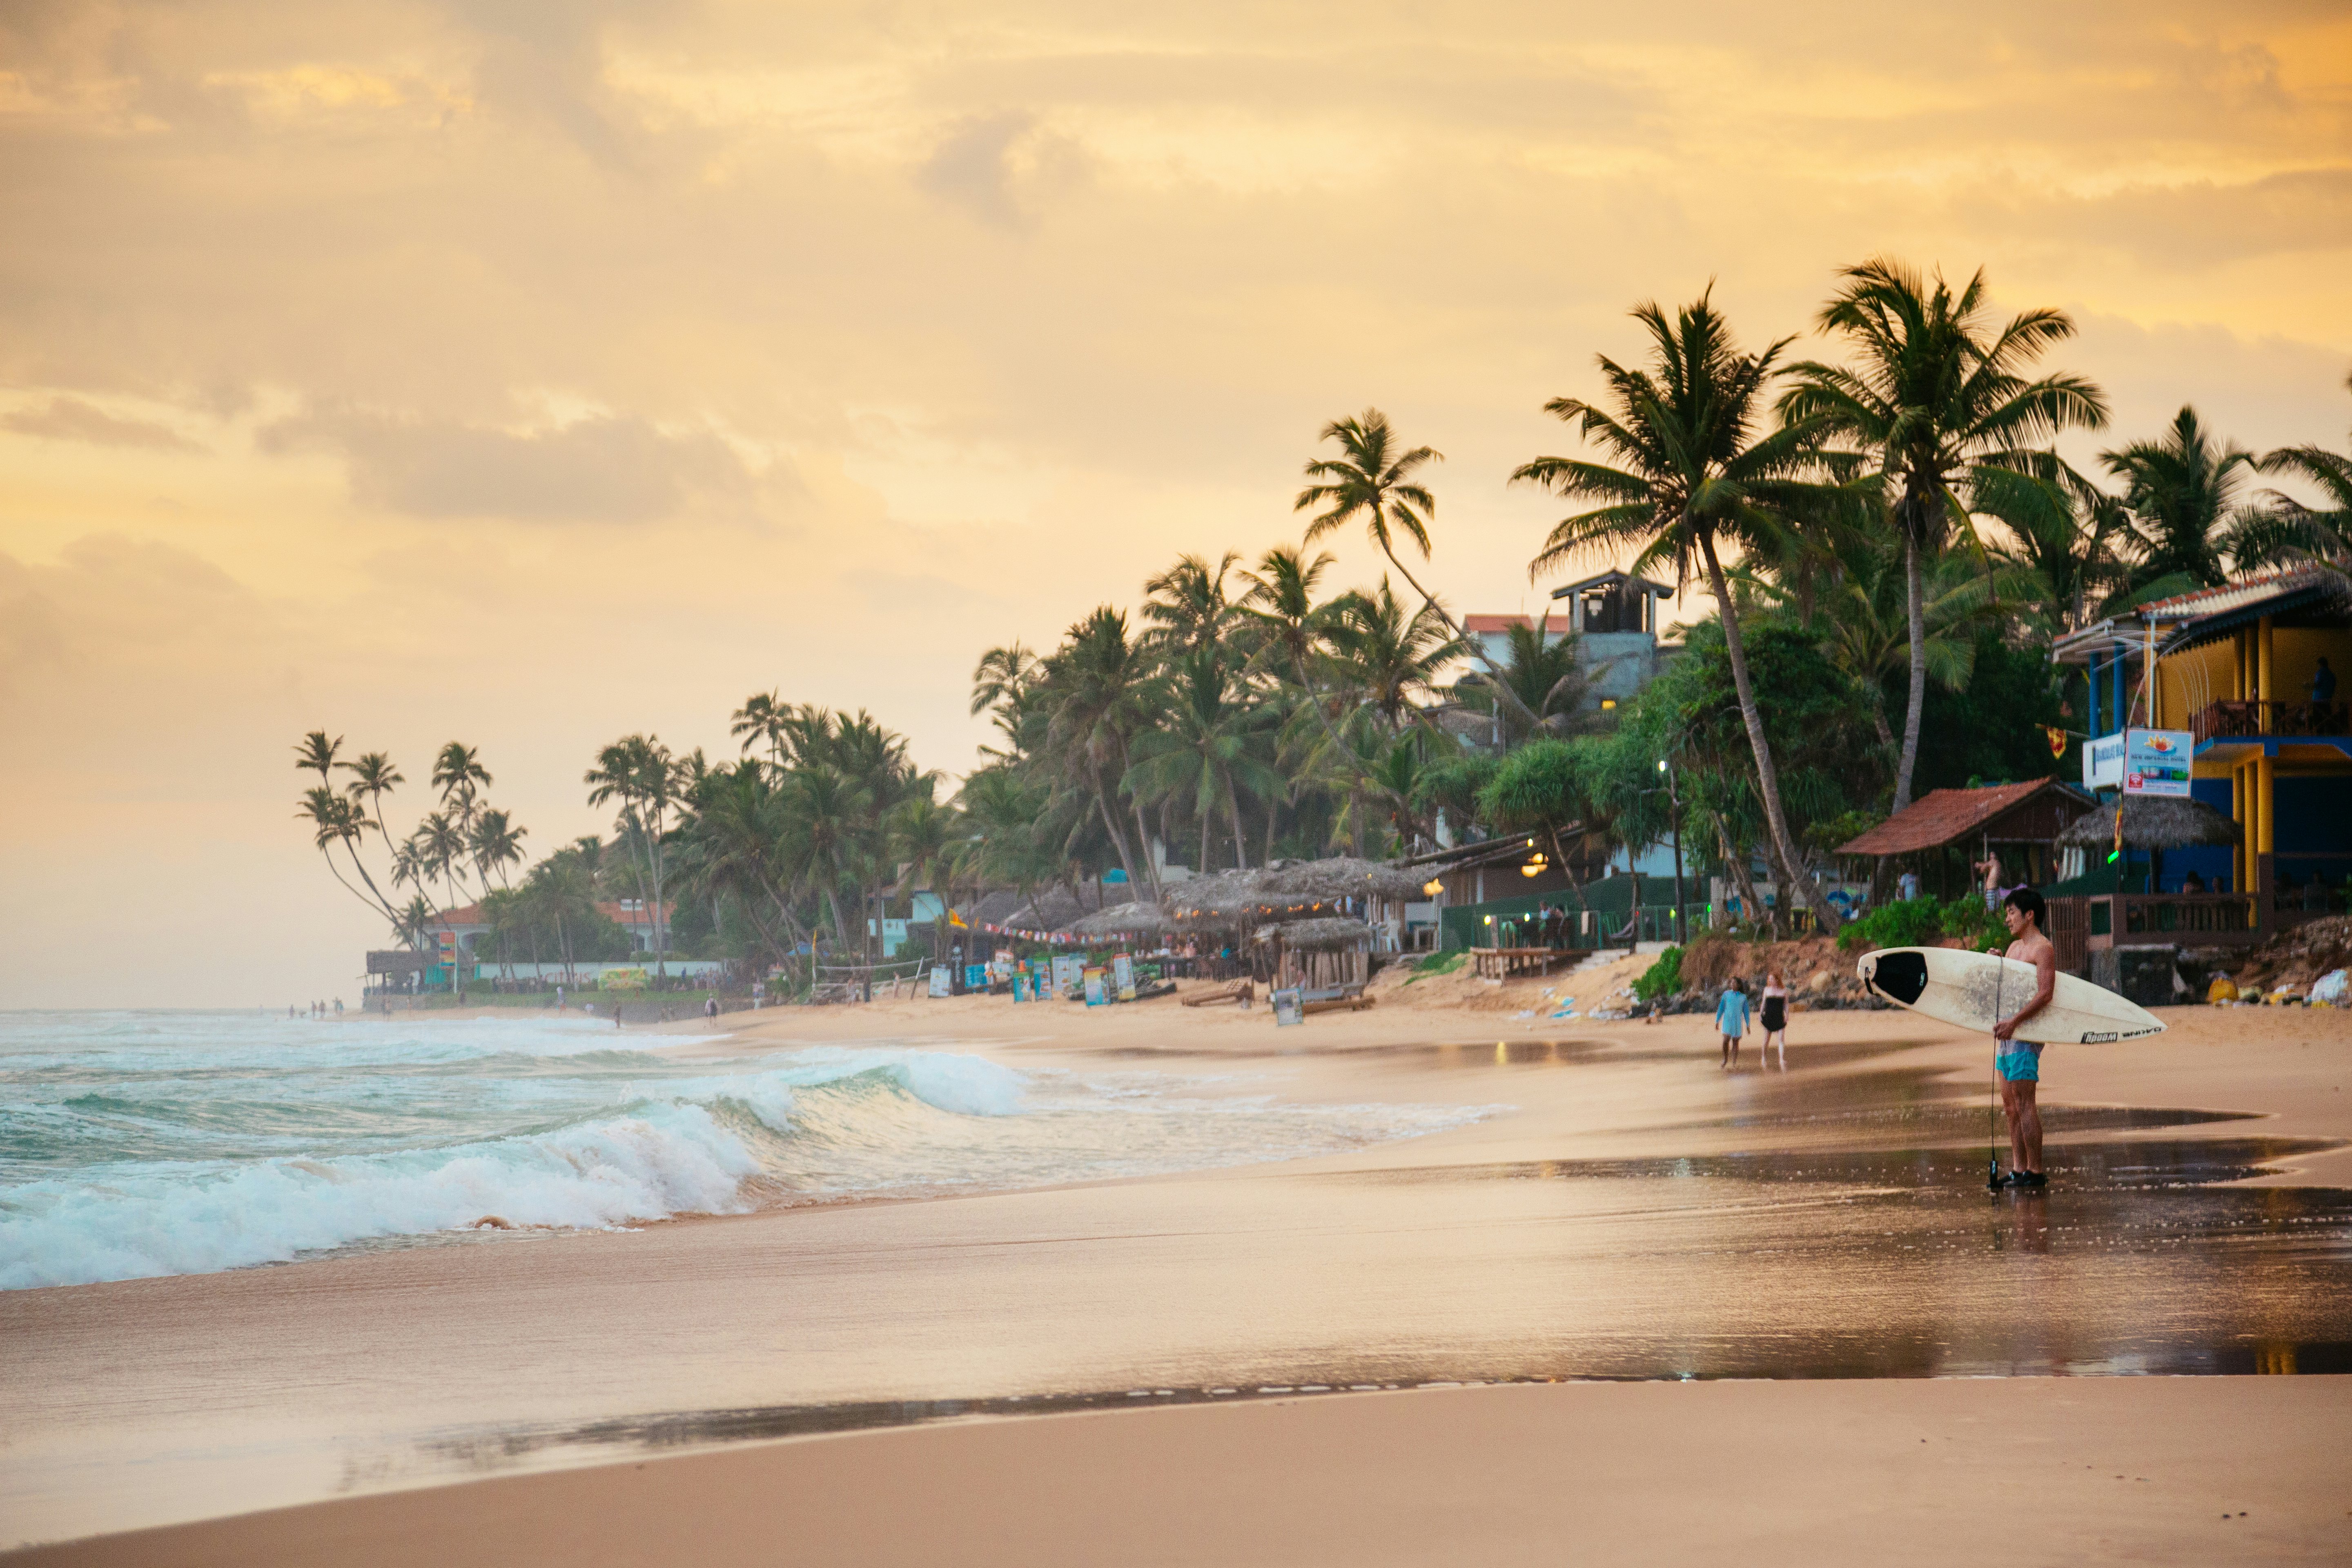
column 2234, row 595
column 1941, row 815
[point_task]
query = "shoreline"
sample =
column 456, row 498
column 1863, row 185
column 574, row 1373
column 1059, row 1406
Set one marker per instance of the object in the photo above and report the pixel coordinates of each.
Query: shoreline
column 335, row 1374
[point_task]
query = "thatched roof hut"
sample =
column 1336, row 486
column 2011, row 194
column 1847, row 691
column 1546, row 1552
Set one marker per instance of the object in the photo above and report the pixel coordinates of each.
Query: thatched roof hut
column 1137, row 919
column 1344, row 877
column 2151, row 822
column 1218, row 898
column 1325, row 933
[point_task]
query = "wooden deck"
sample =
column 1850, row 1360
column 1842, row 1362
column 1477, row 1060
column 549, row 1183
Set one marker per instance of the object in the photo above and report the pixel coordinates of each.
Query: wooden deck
column 1504, row 962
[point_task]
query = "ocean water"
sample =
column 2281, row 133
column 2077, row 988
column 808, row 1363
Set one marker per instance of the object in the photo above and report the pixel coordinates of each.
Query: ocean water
column 143, row 1144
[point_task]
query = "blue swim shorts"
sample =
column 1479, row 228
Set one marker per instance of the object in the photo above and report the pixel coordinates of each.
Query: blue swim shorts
column 2020, row 1063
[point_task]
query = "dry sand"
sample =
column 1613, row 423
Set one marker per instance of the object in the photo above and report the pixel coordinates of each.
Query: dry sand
column 157, row 1401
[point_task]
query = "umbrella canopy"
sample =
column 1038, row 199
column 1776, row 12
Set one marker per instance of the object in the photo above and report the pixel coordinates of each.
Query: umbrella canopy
column 2151, row 822
column 1323, row 934
column 1138, row 918
column 1344, row 877
column 1219, row 898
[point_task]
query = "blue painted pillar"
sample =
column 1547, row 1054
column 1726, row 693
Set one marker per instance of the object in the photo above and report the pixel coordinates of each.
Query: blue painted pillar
column 2123, row 717
column 2091, row 680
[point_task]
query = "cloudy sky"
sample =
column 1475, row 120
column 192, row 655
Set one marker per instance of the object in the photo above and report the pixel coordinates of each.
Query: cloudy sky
column 535, row 373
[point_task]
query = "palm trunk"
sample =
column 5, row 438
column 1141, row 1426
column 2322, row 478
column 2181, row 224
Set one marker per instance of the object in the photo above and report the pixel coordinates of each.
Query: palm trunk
column 1914, row 589
column 1233, row 809
column 1734, row 860
column 1204, row 843
column 1768, row 777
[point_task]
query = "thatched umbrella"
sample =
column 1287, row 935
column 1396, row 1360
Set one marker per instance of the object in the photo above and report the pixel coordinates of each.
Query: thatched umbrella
column 2151, row 822
column 1219, row 899
column 1344, row 877
column 1325, row 933
column 1138, row 918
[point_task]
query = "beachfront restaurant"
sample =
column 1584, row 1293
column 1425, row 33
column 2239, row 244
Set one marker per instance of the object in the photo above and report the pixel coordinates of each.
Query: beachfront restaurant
column 2249, row 670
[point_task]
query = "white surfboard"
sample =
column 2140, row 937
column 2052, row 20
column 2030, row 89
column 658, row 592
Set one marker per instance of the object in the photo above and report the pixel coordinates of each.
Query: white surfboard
column 1976, row 990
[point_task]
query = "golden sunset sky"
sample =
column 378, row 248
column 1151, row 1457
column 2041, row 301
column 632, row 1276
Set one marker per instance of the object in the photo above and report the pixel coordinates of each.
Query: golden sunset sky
column 534, row 373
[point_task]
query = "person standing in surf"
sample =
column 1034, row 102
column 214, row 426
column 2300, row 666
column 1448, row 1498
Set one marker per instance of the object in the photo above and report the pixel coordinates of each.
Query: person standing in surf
column 1731, row 1019
column 2019, row 1062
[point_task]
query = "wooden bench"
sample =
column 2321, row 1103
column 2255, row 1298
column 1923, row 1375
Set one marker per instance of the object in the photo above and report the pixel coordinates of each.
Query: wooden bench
column 1241, row 991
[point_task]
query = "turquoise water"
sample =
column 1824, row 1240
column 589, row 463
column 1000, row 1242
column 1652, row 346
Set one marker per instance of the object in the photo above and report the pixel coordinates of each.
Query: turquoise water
column 141, row 1144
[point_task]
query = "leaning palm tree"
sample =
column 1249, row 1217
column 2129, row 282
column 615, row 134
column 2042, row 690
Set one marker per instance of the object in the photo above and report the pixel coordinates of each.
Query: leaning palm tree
column 373, row 776
column 1385, row 655
column 1290, row 628
column 1695, row 475
column 1372, row 481
column 1933, row 399
column 2182, row 491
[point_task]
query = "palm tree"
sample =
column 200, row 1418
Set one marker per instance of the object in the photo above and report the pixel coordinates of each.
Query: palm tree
column 373, row 776
column 640, row 773
column 1188, row 605
column 1099, row 692
column 1387, row 655
column 1372, row 481
column 2287, row 529
column 437, row 850
column 924, row 838
column 2068, row 530
column 1695, row 472
column 1210, row 746
column 1936, row 400
column 762, row 721
column 317, row 754
column 1545, row 673
column 335, row 820
column 1291, row 628
column 2182, row 491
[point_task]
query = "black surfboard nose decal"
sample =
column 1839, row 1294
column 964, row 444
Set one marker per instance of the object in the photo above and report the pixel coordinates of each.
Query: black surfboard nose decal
column 1900, row 976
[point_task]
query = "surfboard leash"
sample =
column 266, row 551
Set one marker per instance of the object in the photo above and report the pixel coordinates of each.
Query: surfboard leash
column 1992, row 1096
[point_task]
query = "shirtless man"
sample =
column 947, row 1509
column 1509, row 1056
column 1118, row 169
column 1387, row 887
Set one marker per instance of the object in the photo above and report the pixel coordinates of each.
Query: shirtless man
column 2020, row 1062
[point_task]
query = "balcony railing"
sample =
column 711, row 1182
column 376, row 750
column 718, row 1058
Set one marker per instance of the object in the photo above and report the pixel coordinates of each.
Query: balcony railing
column 2244, row 719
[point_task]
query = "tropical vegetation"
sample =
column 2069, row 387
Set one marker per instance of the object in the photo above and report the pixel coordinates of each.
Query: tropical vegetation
column 1885, row 542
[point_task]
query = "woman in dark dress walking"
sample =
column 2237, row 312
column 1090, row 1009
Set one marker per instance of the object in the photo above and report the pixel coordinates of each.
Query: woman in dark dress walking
column 1776, row 1016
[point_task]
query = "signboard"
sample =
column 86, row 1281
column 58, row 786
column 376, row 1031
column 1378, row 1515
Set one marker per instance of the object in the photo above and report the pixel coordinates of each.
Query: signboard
column 1020, row 986
column 2102, row 763
column 1122, row 975
column 1069, row 972
column 2158, row 761
column 1095, row 996
column 943, row 984
column 1289, row 1007
column 975, row 977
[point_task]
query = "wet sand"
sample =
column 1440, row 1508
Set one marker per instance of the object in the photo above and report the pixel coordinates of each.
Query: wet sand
column 1638, row 1214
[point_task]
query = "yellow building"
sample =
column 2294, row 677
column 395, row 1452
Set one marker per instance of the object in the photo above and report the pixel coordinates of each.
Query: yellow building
column 2251, row 670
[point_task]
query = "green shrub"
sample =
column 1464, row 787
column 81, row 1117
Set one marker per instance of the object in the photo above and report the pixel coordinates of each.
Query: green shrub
column 1438, row 964
column 1924, row 923
column 1663, row 978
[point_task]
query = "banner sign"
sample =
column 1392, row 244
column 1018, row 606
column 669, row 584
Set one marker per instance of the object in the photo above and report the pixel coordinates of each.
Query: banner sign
column 2158, row 761
column 2102, row 763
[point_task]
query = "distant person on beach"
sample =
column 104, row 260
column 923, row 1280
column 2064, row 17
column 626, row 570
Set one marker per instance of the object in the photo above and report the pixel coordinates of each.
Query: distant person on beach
column 2192, row 883
column 710, row 1009
column 1907, row 887
column 2323, row 682
column 1988, row 869
column 2019, row 1062
column 1731, row 1019
column 1776, row 1016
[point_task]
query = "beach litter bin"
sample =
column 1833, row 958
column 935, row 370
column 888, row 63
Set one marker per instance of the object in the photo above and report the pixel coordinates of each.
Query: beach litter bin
column 2141, row 974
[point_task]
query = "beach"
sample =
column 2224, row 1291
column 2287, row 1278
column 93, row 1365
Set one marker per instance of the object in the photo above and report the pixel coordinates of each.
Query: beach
column 1710, row 1308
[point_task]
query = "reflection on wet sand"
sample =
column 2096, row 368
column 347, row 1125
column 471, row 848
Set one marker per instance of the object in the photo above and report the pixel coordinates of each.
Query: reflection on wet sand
column 1814, row 1262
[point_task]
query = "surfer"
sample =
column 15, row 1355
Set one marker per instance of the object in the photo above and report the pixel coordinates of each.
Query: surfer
column 2019, row 1062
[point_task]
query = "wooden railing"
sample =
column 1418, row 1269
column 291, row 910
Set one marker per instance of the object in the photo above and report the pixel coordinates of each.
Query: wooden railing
column 2244, row 719
column 2203, row 919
